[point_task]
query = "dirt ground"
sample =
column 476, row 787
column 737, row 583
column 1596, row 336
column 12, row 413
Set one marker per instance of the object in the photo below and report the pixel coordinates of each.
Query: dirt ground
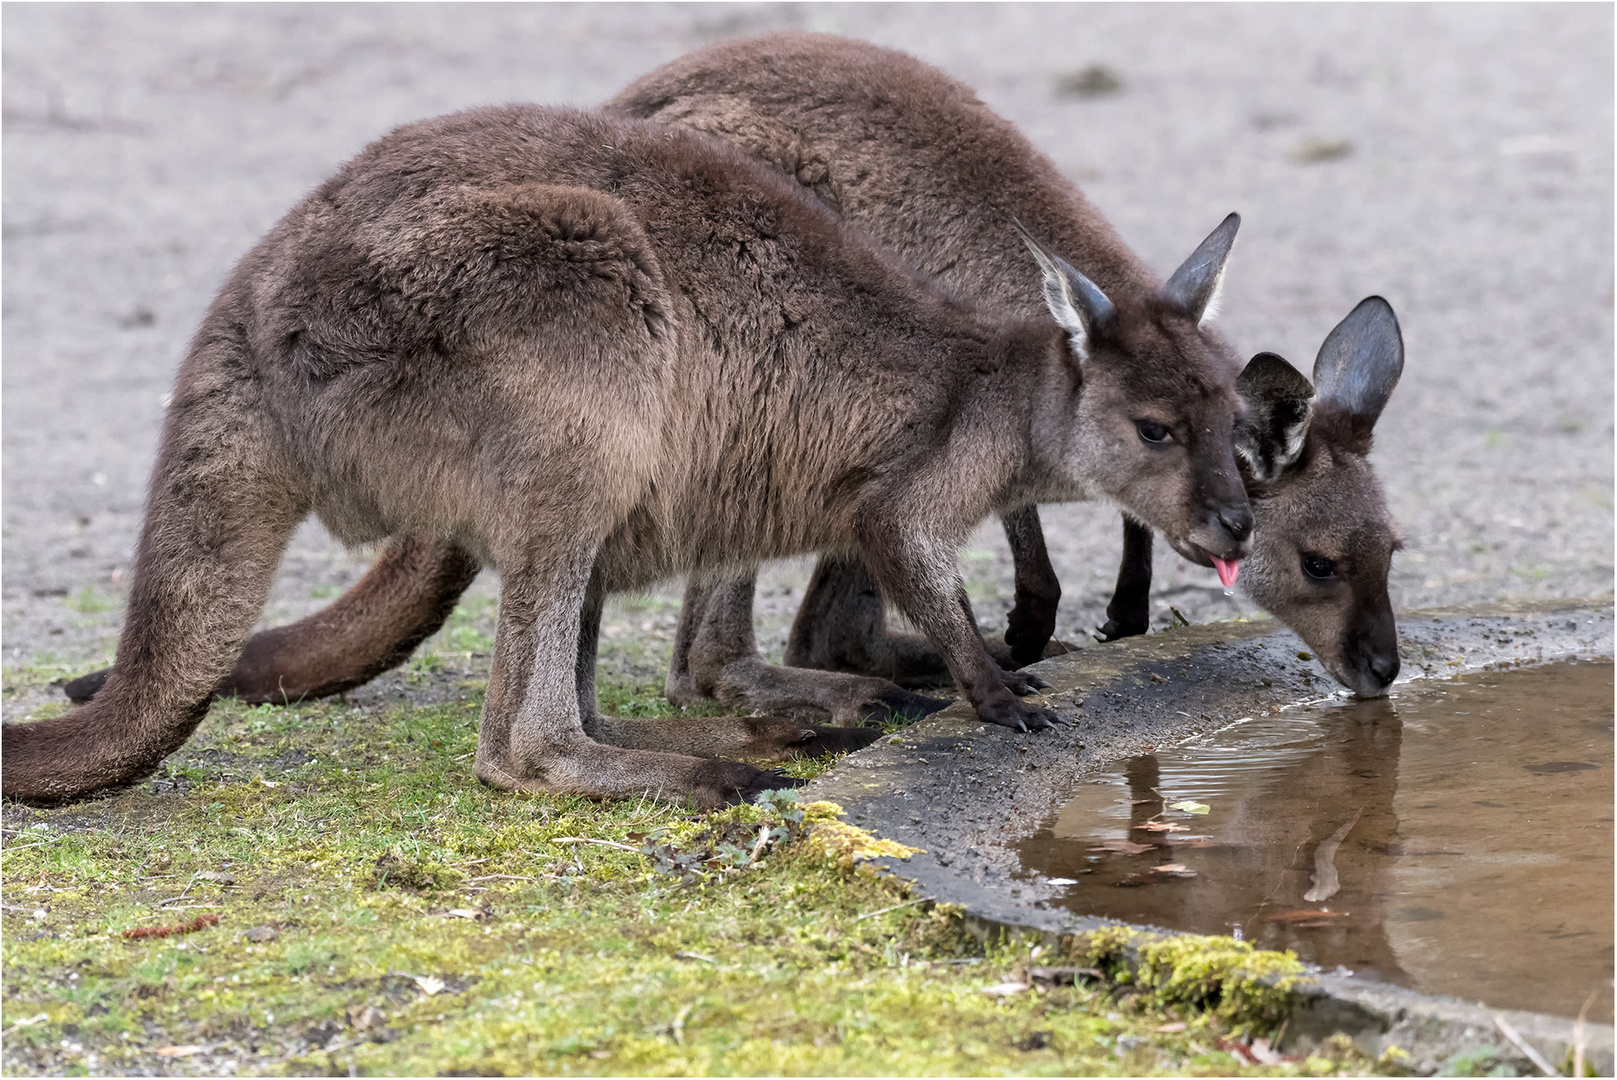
column 1456, row 159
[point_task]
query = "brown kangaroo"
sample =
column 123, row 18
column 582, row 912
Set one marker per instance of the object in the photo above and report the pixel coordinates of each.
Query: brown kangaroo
column 595, row 352
column 914, row 158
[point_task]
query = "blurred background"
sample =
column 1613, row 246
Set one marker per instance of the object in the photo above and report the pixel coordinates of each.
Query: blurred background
column 1457, row 159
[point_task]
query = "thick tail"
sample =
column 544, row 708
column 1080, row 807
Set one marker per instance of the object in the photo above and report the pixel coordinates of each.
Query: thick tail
column 222, row 508
column 400, row 602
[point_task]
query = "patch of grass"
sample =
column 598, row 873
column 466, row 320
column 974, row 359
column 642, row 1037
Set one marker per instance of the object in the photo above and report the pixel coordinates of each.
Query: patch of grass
column 91, row 601
column 382, row 912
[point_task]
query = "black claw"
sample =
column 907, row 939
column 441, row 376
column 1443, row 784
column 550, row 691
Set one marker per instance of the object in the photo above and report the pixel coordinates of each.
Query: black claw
column 1038, row 683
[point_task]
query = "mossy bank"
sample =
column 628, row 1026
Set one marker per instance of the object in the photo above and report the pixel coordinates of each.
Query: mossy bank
column 381, row 912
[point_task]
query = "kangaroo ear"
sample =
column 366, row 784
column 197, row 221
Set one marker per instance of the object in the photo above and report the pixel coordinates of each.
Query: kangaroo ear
column 1278, row 407
column 1359, row 364
column 1077, row 303
column 1195, row 286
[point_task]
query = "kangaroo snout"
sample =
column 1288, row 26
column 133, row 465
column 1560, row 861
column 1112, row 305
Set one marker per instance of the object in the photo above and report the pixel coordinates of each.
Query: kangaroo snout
column 1226, row 533
column 1237, row 521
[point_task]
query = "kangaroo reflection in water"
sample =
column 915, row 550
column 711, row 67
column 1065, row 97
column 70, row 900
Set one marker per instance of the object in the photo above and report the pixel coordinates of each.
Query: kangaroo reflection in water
column 1477, row 856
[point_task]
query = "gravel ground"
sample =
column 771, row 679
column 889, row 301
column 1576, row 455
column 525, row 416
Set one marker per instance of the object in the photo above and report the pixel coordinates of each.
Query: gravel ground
column 1456, row 159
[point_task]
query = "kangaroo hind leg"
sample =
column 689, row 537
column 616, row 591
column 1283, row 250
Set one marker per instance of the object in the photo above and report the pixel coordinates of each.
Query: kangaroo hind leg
column 221, row 510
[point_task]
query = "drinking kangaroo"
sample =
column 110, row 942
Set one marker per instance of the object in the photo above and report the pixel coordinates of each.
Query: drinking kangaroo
column 595, row 352
column 913, row 158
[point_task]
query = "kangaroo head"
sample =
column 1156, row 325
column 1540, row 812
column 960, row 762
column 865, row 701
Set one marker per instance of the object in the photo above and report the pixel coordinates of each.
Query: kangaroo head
column 1324, row 541
column 1158, row 405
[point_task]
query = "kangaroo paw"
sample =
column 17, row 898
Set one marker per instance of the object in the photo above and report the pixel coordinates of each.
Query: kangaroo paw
column 1116, row 628
column 759, row 781
column 903, row 706
column 1021, row 683
column 834, row 740
column 1017, row 715
column 84, row 687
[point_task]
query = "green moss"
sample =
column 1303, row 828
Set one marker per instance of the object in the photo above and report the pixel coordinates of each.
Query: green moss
column 1248, row 989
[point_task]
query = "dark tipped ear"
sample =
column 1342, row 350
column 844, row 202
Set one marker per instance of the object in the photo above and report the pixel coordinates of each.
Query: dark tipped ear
column 1279, row 404
column 1078, row 304
column 1194, row 287
column 1359, row 364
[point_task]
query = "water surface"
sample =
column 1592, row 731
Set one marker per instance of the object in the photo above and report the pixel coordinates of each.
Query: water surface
column 1472, row 829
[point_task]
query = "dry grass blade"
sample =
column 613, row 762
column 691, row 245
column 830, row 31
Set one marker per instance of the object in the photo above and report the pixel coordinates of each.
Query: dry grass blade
column 1521, row 1044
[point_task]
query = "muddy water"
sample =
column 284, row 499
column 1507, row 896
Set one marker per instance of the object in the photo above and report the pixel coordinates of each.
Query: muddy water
column 1455, row 838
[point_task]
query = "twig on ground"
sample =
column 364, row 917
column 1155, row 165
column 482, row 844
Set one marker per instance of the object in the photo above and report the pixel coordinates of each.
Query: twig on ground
column 1521, row 1044
column 694, row 956
column 895, row 907
column 498, row 877
column 28, row 1022
column 590, row 840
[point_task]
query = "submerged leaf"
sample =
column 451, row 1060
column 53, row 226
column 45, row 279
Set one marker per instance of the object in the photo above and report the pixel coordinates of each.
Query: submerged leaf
column 1191, row 807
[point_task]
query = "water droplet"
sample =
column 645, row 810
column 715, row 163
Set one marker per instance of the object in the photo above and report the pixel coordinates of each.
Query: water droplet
column 1228, row 591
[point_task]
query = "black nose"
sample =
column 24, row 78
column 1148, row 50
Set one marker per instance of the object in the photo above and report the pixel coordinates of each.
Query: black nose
column 1384, row 666
column 1237, row 521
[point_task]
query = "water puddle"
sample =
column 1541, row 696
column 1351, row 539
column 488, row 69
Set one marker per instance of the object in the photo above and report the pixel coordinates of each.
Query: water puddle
column 1455, row 838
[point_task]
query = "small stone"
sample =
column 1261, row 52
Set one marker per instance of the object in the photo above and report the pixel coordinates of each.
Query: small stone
column 261, row 933
column 1094, row 81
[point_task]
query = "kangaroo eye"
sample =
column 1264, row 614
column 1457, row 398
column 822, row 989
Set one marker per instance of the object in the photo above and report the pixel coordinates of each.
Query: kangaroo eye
column 1318, row 567
column 1152, row 432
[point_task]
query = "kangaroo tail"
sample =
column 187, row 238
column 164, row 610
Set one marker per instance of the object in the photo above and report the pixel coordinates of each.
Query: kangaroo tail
column 400, row 602
column 222, row 507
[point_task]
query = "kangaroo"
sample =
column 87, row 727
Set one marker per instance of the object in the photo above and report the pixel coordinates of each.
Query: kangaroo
column 594, row 352
column 913, row 157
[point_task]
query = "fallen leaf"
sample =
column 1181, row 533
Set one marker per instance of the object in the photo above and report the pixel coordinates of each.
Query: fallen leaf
column 1163, row 826
column 1265, row 1053
column 1125, row 847
column 217, row 877
column 1173, row 869
column 1177, row 1025
column 429, row 984
column 463, row 913
column 1191, row 807
column 178, row 1051
column 1004, row 988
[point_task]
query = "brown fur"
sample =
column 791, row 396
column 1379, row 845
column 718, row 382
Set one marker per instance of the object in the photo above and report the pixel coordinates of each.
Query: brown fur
column 594, row 353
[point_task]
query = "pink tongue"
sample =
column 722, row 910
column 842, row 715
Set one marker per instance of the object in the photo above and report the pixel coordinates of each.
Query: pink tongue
column 1227, row 569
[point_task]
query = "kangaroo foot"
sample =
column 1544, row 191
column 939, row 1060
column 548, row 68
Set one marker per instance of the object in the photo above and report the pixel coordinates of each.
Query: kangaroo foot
column 84, row 687
column 1121, row 628
column 1021, row 683
column 894, row 703
column 834, row 740
column 1017, row 715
